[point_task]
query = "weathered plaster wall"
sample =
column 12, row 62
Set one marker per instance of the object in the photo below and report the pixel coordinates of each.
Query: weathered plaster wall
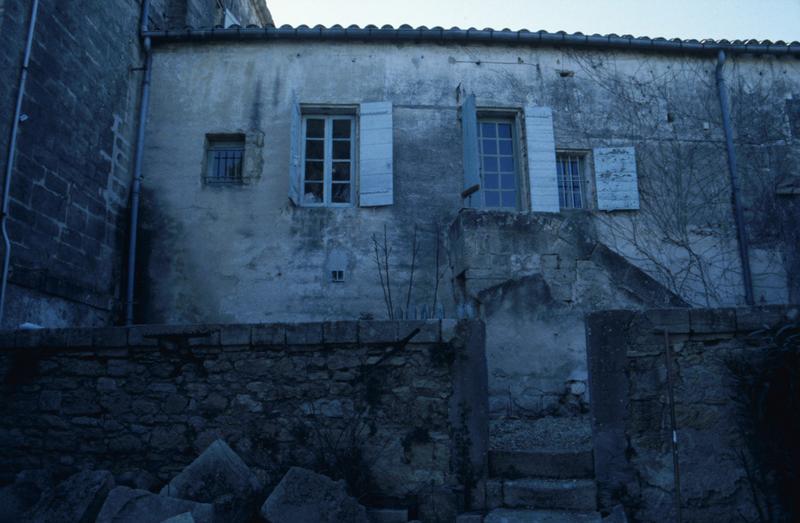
column 244, row 253
column 532, row 278
column 631, row 411
column 152, row 398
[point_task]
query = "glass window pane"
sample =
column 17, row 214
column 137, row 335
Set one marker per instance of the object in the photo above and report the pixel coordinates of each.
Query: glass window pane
column 488, row 130
column 314, row 171
column 492, row 198
column 491, row 181
column 507, row 181
column 315, row 149
column 313, row 193
column 489, row 164
column 577, row 199
column 507, row 164
column 489, row 147
column 341, row 128
column 341, row 193
column 315, row 128
column 506, row 147
column 341, row 171
column 341, row 150
column 509, row 198
column 504, row 130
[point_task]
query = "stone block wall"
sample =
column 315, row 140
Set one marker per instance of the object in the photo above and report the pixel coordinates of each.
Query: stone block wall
column 532, row 278
column 70, row 187
column 153, row 397
column 631, row 410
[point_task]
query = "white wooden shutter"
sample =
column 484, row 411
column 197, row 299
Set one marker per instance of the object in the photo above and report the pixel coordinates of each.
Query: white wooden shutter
column 616, row 179
column 472, row 173
column 541, row 146
column 376, row 155
column 295, row 169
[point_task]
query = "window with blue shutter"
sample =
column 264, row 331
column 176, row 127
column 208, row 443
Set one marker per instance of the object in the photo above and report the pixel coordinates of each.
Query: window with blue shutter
column 472, row 176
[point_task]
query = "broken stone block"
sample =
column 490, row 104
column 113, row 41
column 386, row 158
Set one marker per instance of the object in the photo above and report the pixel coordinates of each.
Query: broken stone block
column 387, row 515
column 22, row 495
column 218, row 476
column 186, row 517
column 304, row 496
column 439, row 505
column 617, row 515
column 127, row 505
column 78, row 498
column 137, row 479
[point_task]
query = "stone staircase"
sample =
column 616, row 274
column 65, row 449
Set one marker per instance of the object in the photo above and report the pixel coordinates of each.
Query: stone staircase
column 541, row 472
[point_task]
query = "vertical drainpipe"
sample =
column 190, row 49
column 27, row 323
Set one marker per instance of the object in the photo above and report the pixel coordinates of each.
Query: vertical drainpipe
column 738, row 214
column 12, row 151
column 136, row 187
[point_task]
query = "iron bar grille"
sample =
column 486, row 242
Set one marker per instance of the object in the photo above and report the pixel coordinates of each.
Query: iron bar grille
column 225, row 164
column 570, row 181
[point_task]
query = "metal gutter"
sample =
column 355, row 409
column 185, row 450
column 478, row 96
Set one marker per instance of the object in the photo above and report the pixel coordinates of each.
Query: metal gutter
column 12, row 152
column 136, row 187
column 738, row 213
column 472, row 35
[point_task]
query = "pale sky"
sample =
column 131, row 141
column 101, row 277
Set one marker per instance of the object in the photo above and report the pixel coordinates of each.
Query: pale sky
column 731, row 19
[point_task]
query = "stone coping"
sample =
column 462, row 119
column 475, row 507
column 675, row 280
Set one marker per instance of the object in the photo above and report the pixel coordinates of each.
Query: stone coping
column 241, row 335
column 704, row 321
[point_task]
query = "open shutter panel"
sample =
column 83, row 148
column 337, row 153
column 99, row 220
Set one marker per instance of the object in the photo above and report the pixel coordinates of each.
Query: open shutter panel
column 616, row 178
column 541, row 146
column 376, row 157
column 295, row 169
column 472, row 175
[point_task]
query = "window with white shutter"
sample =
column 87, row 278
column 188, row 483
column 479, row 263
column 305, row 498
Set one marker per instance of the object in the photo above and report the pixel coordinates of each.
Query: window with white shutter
column 338, row 157
column 376, row 155
column 616, row 180
column 541, row 153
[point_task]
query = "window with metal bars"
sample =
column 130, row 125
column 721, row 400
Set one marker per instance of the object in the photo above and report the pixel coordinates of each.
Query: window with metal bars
column 571, row 181
column 225, row 161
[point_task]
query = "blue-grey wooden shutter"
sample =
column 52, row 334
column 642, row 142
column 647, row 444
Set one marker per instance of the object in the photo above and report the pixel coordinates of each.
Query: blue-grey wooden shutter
column 376, row 155
column 616, row 179
column 295, row 169
column 472, row 174
column 541, row 148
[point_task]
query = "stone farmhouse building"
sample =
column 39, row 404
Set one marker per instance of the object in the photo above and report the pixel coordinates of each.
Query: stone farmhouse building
column 188, row 162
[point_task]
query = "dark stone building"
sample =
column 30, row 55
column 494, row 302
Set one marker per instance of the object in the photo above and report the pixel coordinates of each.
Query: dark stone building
column 69, row 191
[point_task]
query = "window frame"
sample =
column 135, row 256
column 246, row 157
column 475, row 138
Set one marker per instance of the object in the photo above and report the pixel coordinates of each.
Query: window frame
column 328, row 115
column 218, row 142
column 511, row 117
column 587, row 187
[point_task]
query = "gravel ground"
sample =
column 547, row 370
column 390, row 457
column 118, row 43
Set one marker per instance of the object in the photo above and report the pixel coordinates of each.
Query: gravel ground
column 551, row 433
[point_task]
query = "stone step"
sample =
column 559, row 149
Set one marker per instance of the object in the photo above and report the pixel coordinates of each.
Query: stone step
column 511, row 464
column 504, row 515
column 561, row 494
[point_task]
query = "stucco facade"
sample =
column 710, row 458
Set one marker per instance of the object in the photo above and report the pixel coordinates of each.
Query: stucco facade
column 246, row 252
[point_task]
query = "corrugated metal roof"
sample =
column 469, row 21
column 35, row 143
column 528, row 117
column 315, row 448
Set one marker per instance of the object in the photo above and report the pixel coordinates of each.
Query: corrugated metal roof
column 487, row 35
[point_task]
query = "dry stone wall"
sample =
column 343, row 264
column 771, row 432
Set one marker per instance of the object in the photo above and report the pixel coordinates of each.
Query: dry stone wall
column 630, row 405
column 411, row 396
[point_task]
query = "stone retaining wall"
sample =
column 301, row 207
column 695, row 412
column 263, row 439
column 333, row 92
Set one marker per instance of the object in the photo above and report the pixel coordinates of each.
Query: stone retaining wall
column 153, row 397
column 631, row 410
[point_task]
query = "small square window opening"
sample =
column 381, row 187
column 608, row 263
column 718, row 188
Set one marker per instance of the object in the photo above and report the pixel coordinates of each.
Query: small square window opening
column 225, row 160
column 571, row 181
column 337, row 276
